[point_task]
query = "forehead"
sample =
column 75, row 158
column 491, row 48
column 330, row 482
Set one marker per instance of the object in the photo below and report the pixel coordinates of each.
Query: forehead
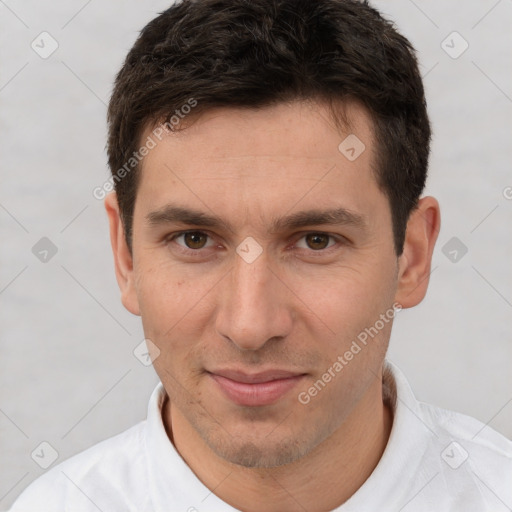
column 306, row 129
column 233, row 160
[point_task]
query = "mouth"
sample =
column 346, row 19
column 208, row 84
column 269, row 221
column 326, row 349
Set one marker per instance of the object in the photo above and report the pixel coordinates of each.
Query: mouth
column 257, row 389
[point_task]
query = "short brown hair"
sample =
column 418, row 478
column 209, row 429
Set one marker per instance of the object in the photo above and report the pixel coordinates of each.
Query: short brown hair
column 258, row 53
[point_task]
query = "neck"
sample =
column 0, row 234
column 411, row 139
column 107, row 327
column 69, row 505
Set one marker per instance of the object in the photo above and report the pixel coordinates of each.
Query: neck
column 322, row 480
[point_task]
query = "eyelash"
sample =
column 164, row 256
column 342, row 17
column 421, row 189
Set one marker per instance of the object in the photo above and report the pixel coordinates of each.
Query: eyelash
column 197, row 252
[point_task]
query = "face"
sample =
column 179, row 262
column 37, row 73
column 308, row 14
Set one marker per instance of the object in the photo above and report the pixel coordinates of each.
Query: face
column 251, row 289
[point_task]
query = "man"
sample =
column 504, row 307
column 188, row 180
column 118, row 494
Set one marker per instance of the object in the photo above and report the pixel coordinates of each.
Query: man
column 267, row 224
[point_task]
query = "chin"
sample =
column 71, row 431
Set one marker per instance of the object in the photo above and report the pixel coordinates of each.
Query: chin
column 262, row 454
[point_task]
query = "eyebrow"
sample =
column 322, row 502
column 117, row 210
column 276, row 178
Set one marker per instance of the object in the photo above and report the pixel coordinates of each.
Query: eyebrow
column 334, row 216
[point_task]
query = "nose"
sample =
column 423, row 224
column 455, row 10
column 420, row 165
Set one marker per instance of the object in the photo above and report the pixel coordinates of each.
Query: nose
column 255, row 306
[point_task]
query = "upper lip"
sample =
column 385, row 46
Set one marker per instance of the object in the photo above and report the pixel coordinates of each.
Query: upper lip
column 256, row 378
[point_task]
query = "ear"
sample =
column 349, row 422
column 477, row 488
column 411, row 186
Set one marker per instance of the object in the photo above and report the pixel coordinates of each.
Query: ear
column 415, row 261
column 123, row 259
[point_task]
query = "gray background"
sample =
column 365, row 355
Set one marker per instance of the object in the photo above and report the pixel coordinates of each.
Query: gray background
column 68, row 375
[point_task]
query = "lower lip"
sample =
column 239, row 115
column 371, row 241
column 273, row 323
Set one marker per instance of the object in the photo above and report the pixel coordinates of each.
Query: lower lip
column 262, row 393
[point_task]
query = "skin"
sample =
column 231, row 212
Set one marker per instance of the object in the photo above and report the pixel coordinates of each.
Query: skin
column 297, row 306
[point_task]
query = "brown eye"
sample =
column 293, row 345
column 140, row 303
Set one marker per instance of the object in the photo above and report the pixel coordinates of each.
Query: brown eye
column 317, row 241
column 195, row 239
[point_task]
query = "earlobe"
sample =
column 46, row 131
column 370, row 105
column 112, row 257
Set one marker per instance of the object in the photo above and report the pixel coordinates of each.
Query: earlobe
column 123, row 259
column 415, row 262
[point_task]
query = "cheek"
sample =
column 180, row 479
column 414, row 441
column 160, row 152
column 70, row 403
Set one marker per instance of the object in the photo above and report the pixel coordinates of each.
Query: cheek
column 169, row 297
column 175, row 309
column 345, row 300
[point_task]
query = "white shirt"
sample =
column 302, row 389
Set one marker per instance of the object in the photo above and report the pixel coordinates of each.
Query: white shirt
column 435, row 461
